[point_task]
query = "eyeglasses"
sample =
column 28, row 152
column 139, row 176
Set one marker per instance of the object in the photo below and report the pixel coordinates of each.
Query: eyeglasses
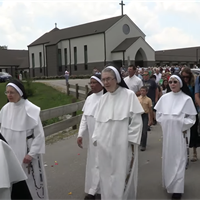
column 11, row 93
column 185, row 76
column 175, row 82
column 109, row 79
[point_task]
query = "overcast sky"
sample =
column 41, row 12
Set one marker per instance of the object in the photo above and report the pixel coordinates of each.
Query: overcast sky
column 167, row 24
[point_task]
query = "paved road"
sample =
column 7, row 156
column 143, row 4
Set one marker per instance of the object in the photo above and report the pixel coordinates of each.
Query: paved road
column 68, row 175
column 61, row 84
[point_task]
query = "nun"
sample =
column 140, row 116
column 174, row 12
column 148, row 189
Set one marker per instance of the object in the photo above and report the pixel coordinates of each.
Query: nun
column 12, row 184
column 22, row 129
column 117, row 133
column 85, row 133
column 176, row 117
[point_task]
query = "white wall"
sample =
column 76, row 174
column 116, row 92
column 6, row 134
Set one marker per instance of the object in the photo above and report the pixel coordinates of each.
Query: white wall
column 62, row 45
column 95, row 48
column 140, row 43
column 36, row 50
column 115, row 35
column 117, row 56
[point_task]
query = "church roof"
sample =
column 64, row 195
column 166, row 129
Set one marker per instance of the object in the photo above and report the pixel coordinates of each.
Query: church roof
column 56, row 35
column 123, row 46
column 10, row 57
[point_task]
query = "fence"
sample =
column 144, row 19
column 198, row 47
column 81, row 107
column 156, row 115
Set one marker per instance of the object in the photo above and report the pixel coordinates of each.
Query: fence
column 60, row 111
column 79, row 92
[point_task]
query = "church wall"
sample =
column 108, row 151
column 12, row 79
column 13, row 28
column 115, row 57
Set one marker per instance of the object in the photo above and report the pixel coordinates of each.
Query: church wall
column 140, row 43
column 35, row 50
column 115, row 35
column 117, row 56
column 95, row 48
column 62, row 45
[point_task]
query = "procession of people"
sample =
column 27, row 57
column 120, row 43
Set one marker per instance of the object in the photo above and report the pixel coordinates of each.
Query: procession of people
column 118, row 113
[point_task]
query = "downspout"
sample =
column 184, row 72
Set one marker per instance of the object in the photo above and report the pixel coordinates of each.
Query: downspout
column 104, row 49
column 70, row 57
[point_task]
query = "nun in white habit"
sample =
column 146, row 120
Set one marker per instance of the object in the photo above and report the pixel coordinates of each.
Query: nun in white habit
column 11, row 173
column 117, row 132
column 176, row 113
column 86, row 130
column 22, row 128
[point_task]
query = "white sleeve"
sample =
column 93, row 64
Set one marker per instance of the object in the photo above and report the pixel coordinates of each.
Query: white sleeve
column 135, row 128
column 158, row 117
column 83, row 128
column 188, row 122
column 38, row 143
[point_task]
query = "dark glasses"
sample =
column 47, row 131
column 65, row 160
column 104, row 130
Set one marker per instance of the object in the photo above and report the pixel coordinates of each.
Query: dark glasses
column 185, row 76
column 175, row 82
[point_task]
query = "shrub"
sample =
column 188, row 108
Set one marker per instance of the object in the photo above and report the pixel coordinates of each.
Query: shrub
column 30, row 90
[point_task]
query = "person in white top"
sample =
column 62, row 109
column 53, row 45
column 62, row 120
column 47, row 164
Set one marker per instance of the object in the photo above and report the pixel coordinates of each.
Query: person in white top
column 158, row 75
column 22, row 129
column 118, row 129
column 132, row 81
column 85, row 133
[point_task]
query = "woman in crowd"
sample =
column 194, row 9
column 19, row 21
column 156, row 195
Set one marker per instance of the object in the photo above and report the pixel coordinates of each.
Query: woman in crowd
column 117, row 132
column 164, row 86
column 188, row 78
column 176, row 117
column 22, row 128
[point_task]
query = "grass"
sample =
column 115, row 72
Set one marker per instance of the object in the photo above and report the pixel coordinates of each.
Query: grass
column 45, row 96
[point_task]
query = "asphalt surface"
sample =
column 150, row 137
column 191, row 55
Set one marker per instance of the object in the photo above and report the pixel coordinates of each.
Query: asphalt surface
column 66, row 179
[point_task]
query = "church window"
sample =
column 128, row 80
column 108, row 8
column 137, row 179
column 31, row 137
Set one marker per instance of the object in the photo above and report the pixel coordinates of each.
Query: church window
column 75, row 58
column 126, row 29
column 85, row 57
column 40, row 59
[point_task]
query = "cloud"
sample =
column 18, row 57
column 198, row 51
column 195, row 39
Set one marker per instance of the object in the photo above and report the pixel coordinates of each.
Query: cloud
column 170, row 24
column 172, row 37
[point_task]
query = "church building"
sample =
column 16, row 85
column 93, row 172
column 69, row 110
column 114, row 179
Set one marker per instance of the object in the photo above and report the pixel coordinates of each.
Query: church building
column 80, row 49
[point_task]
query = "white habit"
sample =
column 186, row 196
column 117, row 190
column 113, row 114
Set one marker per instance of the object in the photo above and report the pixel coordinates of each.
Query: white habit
column 22, row 128
column 118, row 127
column 10, row 171
column 176, row 113
column 134, row 83
column 86, row 130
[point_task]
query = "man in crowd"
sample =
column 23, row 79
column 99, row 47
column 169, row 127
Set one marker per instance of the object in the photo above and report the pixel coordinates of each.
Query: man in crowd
column 133, row 82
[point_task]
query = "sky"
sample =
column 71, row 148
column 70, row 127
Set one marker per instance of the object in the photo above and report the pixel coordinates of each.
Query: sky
column 167, row 24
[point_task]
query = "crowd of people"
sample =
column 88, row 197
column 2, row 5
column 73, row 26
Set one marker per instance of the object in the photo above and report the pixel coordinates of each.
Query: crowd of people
column 120, row 111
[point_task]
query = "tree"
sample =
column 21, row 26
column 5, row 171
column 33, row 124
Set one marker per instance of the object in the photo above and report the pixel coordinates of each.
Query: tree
column 4, row 47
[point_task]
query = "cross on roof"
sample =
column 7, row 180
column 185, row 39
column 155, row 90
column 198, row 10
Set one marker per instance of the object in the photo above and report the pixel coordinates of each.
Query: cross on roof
column 122, row 5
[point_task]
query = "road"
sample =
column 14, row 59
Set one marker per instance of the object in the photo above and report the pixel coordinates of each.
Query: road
column 66, row 180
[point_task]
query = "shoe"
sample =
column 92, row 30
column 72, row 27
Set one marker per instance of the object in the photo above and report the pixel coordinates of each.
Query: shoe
column 176, row 196
column 143, row 149
column 194, row 159
column 149, row 129
column 89, row 196
column 98, row 196
column 154, row 122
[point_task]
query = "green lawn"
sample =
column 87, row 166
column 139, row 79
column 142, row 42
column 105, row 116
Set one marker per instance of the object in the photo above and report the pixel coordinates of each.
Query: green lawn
column 45, row 97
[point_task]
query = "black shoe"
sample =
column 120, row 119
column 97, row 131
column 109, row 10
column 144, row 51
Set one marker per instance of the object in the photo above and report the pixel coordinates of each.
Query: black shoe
column 176, row 196
column 149, row 129
column 98, row 196
column 154, row 122
column 89, row 196
column 143, row 149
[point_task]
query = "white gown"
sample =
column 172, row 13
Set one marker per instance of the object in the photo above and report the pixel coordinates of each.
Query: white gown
column 176, row 113
column 10, row 171
column 118, row 126
column 86, row 130
column 19, row 121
